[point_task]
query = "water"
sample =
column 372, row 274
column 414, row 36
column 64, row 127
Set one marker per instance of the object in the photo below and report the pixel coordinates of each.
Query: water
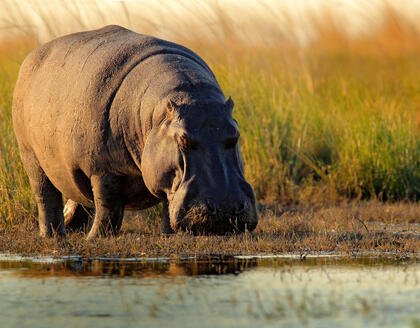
column 230, row 292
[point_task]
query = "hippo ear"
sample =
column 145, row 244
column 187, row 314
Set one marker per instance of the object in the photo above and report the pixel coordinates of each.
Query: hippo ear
column 171, row 106
column 229, row 103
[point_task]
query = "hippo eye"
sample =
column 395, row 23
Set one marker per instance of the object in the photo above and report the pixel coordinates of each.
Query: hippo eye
column 230, row 142
column 186, row 143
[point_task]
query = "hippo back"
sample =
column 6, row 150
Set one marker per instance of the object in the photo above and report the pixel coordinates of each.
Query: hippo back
column 69, row 101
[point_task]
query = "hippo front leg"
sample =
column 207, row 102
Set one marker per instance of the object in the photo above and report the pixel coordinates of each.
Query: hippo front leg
column 166, row 226
column 109, row 206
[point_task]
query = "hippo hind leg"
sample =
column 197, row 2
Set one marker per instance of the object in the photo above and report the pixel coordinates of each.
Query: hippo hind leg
column 77, row 217
column 48, row 198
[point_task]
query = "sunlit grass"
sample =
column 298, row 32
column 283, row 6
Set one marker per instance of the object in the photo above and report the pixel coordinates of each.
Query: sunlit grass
column 351, row 129
column 16, row 200
column 337, row 118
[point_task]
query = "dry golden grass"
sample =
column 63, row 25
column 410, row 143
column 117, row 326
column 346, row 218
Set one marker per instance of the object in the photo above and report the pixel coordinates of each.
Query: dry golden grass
column 349, row 228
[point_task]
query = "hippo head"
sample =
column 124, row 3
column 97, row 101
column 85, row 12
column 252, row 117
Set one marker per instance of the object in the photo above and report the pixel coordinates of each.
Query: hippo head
column 192, row 159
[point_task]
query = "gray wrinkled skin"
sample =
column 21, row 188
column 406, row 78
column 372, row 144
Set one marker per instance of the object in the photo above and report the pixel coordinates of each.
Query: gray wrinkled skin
column 115, row 120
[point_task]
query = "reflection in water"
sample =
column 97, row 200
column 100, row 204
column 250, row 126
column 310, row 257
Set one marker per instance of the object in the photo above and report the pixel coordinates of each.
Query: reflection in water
column 224, row 292
column 112, row 267
column 115, row 268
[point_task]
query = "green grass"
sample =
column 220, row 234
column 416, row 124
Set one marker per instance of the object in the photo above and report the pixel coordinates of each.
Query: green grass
column 338, row 119
column 343, row 124
column 16, row 200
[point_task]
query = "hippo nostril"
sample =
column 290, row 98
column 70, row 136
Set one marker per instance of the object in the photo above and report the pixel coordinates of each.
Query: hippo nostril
column 240, row 208
column 211, row 208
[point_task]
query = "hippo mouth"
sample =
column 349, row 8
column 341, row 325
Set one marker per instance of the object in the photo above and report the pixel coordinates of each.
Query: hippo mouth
column 198, row 221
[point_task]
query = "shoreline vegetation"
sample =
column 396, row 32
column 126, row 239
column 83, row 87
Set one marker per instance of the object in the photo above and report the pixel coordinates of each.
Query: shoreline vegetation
column 330, row 135
column 349, row 228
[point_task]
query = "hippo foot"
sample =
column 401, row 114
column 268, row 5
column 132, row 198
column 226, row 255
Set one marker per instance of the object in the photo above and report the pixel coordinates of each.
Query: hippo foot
column 50, row 233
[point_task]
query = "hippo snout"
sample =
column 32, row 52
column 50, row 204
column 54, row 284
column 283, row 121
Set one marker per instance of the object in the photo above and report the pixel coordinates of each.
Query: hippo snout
column 213, row 208
column 209, row 217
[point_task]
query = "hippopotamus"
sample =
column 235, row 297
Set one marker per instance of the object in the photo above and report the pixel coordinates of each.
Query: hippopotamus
column 114, row 120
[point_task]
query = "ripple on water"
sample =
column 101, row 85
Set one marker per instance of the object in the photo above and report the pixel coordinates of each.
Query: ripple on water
column 319, row 290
